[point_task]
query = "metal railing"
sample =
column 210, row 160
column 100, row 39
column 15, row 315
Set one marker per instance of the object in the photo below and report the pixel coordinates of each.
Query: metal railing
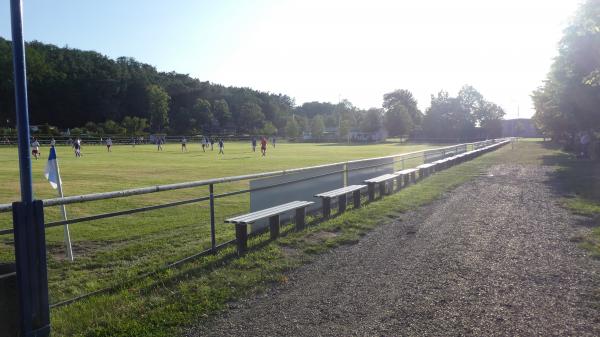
column 443, row 151
column 398, row 160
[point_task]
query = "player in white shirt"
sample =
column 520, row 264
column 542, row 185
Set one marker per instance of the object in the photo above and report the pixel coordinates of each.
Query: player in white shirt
column 184, row 144
column 35, row 149
column 77, row 146
column 108, row 144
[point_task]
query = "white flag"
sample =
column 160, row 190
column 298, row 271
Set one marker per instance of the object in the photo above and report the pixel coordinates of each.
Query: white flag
column 51, row 172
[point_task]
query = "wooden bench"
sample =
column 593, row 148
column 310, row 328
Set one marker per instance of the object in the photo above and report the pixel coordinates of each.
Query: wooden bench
column 382, row 181
column 341, row 194
column 425, row 170
column 454, row 159
column 441, row 164
column 242, row 221
column 405, row 177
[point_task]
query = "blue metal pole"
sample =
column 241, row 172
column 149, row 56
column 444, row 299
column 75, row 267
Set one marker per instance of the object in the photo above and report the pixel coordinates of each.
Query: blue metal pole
column 28, row 215
column 20, row 80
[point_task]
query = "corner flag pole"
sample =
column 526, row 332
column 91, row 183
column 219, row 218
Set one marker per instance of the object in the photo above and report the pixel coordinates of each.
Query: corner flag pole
column 63, row 212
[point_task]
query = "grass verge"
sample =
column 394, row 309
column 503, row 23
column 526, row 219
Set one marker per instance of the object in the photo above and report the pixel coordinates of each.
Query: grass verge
column 579, row 181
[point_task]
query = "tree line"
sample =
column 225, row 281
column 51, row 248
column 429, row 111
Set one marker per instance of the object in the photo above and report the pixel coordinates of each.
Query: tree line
column 568, row 102
column 91, row 93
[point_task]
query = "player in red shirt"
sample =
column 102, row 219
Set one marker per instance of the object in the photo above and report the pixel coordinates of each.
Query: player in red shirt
column 263, row 146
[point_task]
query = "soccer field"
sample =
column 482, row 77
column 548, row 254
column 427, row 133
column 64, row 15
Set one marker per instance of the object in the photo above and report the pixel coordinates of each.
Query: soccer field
column 129, row 167
column 107, row 251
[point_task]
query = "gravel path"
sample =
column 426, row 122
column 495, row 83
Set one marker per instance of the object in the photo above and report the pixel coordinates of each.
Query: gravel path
column 493, row 257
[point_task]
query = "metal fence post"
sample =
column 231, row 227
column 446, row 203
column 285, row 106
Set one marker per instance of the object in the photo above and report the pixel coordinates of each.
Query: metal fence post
column 213, row 237
column 32, row 277
column 345, row 174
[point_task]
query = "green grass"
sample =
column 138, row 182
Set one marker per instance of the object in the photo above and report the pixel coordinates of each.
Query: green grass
column 112, row 250
column 163, row 304
column 579, row 181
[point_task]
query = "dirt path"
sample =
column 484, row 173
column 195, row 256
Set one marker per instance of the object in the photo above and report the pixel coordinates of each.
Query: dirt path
column 494, row 257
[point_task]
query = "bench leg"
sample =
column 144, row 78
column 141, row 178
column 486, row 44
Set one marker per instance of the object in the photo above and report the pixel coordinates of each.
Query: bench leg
column 241, row 237
column 356, row 197
column 371, row 188
column 382, row 188
column 300, row 215
column 406, row 178
column 274, row 226
column 389, row 186
column 342, row 203
column 413, row 177
column 398, row 183
column 326, row 207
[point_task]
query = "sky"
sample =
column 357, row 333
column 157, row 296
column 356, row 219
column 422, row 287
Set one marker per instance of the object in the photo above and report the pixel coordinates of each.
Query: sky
column 322, row 50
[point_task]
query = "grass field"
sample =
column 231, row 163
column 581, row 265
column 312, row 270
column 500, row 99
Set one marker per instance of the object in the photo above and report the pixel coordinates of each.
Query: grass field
column 112, row 250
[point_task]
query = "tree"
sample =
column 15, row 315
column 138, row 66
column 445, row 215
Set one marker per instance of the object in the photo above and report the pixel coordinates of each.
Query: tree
column 569, row 99
column 201, row 114
column 251, row 117
column 70, row 87
column 135, row 126
column 158, row 106
column 317, row 126
column 447, row 118
column 94, row 128
column 311, row 109
column 268, row 129
column 405, row 98
column 372, row 120
column 490, row 117
column 292, row 129
column 221, row 112
column 485, row 114
column 397, row 121
column 113, row 128
column 344, row 128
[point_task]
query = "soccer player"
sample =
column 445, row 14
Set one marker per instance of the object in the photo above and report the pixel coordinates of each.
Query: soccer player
column 263, row 146
column 77, row 147
column 35, row 149
column 159, row 143
column 108, row 144
column 52, row 142
column 212, row 143
column 273, row 141
column 183, row 144
column 221, row 146
column 253, row 144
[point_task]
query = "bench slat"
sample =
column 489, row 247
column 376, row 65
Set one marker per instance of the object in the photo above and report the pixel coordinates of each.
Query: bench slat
column 340, row 191
column 407, row 171
column 268, row 212
column 380, row 179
